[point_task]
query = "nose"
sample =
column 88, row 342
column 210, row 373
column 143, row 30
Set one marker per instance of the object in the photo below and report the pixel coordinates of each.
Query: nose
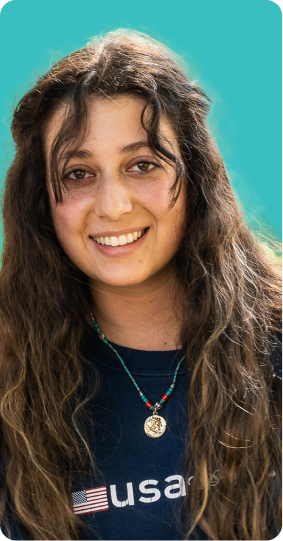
column 113, row 198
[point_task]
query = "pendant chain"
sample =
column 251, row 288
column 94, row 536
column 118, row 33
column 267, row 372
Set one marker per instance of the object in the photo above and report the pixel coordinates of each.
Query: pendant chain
column 157, row 405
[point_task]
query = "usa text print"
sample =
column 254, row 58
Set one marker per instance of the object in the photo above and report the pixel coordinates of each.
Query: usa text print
column 95, row 499
column 149, row 492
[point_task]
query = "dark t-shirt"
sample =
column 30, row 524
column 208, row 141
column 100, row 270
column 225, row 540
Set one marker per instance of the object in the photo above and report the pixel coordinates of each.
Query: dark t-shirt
column 140, row 488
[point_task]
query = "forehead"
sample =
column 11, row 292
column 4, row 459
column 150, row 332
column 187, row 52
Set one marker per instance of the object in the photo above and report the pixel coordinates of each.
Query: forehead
column 112, row 121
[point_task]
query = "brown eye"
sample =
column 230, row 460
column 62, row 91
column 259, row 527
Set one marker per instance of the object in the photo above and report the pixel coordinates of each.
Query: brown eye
column 145, row 166
column 78, row 174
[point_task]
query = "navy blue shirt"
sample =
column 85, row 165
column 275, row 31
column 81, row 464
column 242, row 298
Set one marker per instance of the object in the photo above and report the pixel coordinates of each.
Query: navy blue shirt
column 139, row 489
column 141, row 483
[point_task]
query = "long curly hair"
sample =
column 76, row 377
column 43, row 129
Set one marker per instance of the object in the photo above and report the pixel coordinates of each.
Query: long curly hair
column 231, row 315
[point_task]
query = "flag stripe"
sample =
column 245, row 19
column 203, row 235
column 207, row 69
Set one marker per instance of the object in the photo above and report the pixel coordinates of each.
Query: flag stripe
column 99, row 495
column 91, row 497
column 77, row 510
column 92, row 511
column 87, row 508
column 90, row 490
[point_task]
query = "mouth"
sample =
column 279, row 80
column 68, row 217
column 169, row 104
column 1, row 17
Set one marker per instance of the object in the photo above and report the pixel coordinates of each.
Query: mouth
column 126, row 249
column 122, row 240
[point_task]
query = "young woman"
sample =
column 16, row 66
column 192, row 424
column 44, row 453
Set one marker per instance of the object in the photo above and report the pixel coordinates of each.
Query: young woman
column 140, row 318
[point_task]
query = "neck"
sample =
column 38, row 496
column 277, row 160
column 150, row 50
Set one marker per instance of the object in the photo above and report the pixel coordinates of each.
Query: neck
column 142, row 316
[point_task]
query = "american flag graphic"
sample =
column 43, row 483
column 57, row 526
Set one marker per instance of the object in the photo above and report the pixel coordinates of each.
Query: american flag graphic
column 91, row 500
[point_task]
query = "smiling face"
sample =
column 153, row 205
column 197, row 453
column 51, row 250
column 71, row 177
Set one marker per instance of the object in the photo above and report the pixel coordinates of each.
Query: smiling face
column 114, row 222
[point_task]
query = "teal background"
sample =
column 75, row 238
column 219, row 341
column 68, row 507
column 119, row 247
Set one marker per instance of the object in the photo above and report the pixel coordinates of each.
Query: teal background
column 233, row 48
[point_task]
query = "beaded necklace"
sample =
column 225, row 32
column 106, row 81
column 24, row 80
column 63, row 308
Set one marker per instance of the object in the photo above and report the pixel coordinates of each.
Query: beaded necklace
column 155, row 425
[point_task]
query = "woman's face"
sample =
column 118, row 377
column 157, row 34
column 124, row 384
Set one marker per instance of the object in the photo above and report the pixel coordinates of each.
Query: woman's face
column 114, row 222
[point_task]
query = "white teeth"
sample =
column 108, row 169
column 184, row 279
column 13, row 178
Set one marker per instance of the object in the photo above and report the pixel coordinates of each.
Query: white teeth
column 119, row 241
column 122, row 240
column 114, row 241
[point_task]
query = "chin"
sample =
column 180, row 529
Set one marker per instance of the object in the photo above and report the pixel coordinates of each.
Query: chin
column 117, row 280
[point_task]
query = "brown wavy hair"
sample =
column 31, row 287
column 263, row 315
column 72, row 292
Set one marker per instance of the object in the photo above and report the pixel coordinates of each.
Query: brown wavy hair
column 231, row 308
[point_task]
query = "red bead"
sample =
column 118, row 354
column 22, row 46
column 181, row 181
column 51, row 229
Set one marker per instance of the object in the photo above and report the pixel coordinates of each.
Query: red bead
column 148, row 404
column 165, row 397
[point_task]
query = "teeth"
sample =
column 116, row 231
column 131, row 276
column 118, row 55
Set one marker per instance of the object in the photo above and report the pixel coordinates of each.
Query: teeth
column 119, row 241
column 123, row 240
column 114, row 241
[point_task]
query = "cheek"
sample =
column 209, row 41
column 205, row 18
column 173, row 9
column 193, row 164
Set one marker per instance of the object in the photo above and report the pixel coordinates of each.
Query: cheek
column 68, row 223
column 176, row 227
column 180, row 220
column 156, row 200
column 171, row 220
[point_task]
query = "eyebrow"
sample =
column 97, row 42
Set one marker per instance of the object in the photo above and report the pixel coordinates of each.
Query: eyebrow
column 83, row 153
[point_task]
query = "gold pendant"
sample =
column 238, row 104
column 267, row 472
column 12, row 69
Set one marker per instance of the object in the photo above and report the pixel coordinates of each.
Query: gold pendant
column 154, row 426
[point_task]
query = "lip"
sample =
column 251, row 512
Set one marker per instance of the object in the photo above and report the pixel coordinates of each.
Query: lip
column 117, row 251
